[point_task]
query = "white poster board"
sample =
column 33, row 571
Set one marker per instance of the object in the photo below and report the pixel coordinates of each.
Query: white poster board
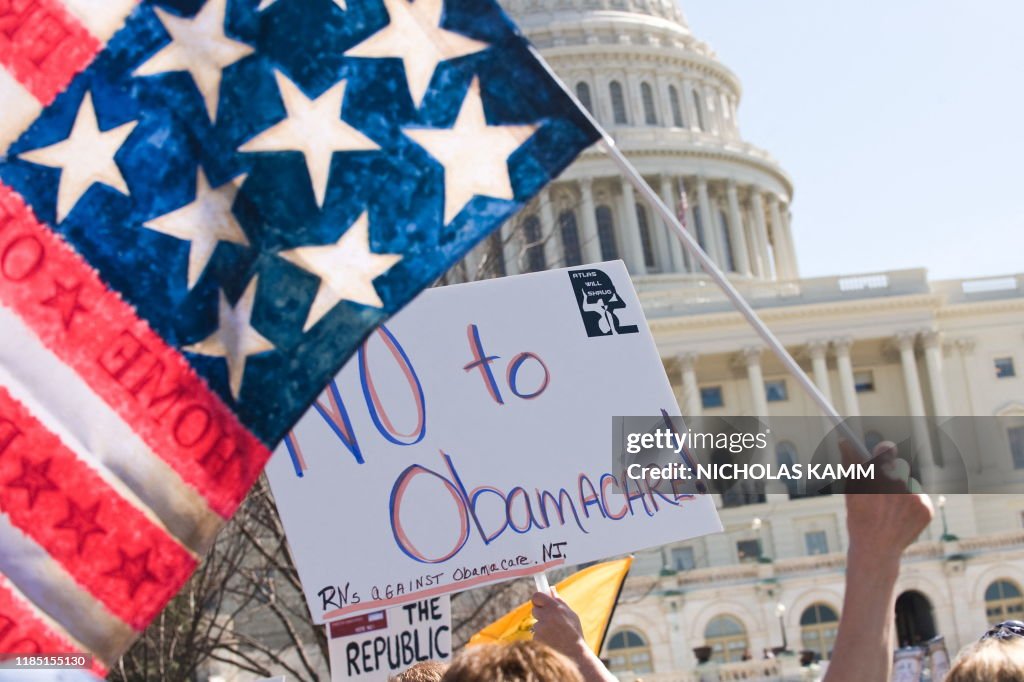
column 371, row 647
column 471, row 442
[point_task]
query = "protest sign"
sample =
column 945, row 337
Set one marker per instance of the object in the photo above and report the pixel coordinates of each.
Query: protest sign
column 470, row 441
column 373, row 646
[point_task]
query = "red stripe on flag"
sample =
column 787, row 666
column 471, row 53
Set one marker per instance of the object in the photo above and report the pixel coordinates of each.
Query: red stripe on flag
column 23, row 632
column 43, row 45
column 109, row 546
column 147, row 382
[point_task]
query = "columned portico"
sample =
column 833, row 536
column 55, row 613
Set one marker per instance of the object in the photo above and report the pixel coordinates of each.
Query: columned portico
column 761, row 230
column 675, row 247
column 736, row 232
column 707, row 222
column 818, row 350
column 911, row 383
column 634, row 255
column 591, row 243
column 932, row 342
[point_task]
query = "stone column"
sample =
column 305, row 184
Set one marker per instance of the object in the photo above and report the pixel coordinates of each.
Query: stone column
column 552, row 258
column 634, row 102
column 752, row 359
column 630, row 232
column 760, row 229
column 932, row 342
column 675, row 248
column 782, row 267
column 819, row 363
column 755, row 247
column 510, row 248
column 847, row 387
column 692, row 406
column 736, row 232
column 787, row 221
column 591, row 244
column 691, row 225
column 688, row 107
column 707, row 222
column 912, row 384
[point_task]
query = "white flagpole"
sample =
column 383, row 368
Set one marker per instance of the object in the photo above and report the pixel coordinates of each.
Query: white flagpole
column 607, row 143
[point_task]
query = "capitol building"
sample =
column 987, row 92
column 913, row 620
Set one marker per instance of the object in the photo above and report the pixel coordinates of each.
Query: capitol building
column 880, row 343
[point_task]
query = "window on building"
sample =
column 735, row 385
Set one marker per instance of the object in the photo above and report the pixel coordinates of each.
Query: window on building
column 534, row 239
column 727, row 638
column 583, row 95
column 748, row 551
column 1016, row 436
column 711, row 397
column 647, row 99
column 785, row 455
column 775, row 391
column 1004, row 368
column 645, row 235
column 628, row 651
column 606, row 233
column 1003, row 601
column 726, row 239
column 496, row 255
column 618, row 102
column 570, row 238
column 818, row 625
column 698, row 223
column 816, row 542
column 683, row 559
column 677, row 110
column 698, row 107
column 864, row 381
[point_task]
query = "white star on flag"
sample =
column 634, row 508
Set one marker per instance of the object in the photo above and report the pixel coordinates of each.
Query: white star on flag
column 200, row 47
column 415, row 36
column 346, row 270
column 474, row 155
column 204, row 222
column 235, row 339
column 85, row 157
column 313, row 127
column 267, row 3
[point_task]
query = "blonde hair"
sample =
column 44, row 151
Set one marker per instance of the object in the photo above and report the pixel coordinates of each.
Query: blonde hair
column 524, row 661
column 990, row 660
column 427, row 671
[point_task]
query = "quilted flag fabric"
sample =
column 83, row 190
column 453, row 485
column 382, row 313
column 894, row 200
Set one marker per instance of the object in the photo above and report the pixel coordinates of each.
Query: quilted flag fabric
column 204, row 208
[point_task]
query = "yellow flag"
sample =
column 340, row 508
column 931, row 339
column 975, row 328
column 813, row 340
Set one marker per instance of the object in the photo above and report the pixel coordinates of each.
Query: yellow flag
column 591, row 593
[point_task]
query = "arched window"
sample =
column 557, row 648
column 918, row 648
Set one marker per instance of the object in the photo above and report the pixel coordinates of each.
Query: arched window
column 645, row 235
column 495, row 266
column 698, row 107
column 698, row 223
column 628, row 651
column 606, row 233
column 818, row 626
column 726, row 240
column 570, row 238
column 618, row 102
column 583, row 95
column 534, row 242
column 647, row 98
column 1003, row 601
column 785, row 456
column 677, row 110
column 727, row 638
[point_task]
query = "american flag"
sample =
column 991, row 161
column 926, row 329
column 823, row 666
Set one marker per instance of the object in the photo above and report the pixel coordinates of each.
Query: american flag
column 204, row 208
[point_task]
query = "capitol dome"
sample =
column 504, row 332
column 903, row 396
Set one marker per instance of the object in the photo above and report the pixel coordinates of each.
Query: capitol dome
column 671, row 106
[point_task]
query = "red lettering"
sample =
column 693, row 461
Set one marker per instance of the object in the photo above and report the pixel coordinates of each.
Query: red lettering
column 122, row 355
column 192, row 425
column 153, row 378
column 220, row 456
column 22, row 258
column 8, row 432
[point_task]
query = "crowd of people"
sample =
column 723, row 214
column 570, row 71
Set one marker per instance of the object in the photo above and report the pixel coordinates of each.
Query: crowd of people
column 881, row 525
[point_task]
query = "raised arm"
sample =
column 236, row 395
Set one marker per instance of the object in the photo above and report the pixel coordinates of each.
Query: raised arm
column 559, row 627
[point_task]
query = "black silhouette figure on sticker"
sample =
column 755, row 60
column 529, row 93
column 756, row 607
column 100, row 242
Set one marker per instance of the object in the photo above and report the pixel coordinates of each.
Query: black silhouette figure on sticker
column 599, row 303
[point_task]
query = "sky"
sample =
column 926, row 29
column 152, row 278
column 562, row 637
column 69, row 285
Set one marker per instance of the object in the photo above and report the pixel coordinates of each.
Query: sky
column 901, row 123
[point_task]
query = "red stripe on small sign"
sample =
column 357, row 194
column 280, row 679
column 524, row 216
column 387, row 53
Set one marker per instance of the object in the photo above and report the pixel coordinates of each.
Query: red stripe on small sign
column 22, row 632
column 146, row 382
column 102, row 540
column 43, row 45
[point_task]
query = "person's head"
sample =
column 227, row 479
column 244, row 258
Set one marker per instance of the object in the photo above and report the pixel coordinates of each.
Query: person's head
column 525, row 661
column 427, row 671
column 997, row 657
